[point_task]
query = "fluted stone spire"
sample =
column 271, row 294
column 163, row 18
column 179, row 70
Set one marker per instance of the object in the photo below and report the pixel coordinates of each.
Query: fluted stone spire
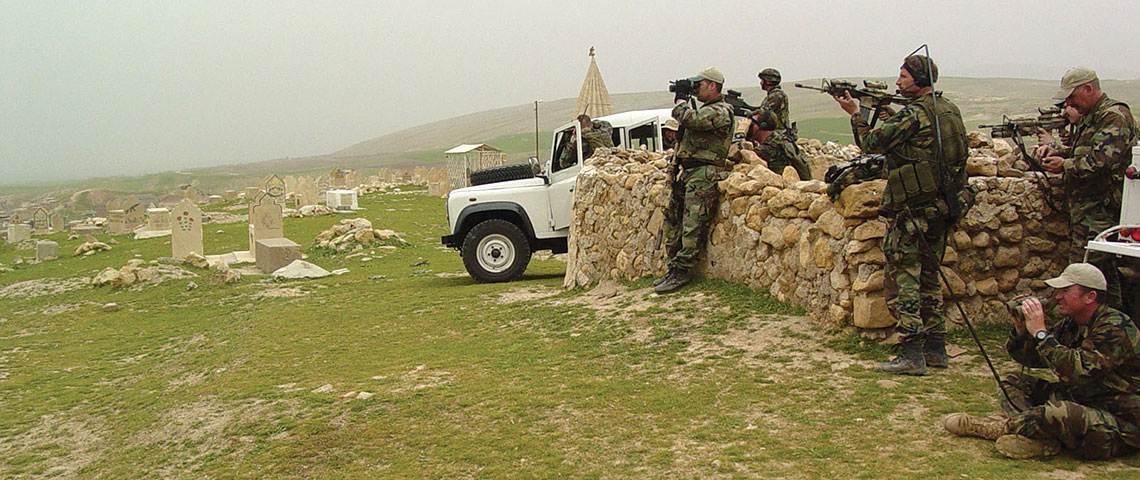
column 594, row 99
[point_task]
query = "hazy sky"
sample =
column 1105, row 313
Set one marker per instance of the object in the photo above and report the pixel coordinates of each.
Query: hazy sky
column 91, row 88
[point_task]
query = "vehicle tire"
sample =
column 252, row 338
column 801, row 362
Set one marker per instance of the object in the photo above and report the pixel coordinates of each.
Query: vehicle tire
column 495, row 250
column 501, row 174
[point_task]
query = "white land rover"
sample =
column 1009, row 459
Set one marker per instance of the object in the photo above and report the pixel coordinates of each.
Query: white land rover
column 513, row 211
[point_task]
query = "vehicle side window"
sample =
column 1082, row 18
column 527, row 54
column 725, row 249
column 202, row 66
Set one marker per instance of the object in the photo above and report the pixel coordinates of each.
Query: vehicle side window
column 565, row 153
column 616, row 135
column 644, row 135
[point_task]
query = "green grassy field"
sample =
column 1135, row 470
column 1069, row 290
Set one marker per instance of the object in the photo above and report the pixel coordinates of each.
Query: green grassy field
column 263, row 379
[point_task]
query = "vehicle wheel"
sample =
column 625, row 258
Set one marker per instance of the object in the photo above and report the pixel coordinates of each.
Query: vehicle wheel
column 501, row 174
column 495, row 251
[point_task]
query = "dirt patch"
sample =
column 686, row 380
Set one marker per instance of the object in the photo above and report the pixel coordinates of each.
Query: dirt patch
column 43, row 286
column 451, row 274
column 527, row 293
column 283, row 292
column 82, row 437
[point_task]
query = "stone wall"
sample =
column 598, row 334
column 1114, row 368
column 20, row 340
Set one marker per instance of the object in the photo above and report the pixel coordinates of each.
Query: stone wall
column 777, row 232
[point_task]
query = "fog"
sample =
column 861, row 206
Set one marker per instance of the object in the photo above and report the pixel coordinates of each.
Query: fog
column 127, row 87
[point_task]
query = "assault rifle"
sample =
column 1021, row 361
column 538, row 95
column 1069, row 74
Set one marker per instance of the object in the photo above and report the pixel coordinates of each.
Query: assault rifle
column 866, row 167
column 873, row 96
column 1048, row 118
column 740, row 108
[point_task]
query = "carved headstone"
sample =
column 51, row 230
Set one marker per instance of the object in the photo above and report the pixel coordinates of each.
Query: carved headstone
column 18, row 216
column 157, row 219
column 322, row 185
column 40, row 221
column 352, row 179
column 336, row 178
column 290, row 184
column 306, row 193
column 46, row 250
column 186, row 231
column 135, row 216
column 264, row 221
column 274, row 186
column 116, row 222
column 18, row 232
column 56, row 222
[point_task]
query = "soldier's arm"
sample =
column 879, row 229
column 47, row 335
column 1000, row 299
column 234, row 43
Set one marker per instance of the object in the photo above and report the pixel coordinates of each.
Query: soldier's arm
column 1106, row 346
column 1111, row 140
column 1021, row 347
column 703, row 119
column 890, row 132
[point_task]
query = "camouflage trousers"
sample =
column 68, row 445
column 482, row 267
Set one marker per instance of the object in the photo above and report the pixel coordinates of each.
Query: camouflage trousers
column 690, row 212
column 1085, row 227
column 780, row 152
column 914, row 246
column 1046, row 413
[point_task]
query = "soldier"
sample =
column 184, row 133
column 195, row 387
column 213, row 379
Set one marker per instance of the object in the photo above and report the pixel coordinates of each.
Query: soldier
column 595, row 134
column 669, row 134
column 776, row 101
column 1093, row 167
column 924, row 174
column 1094, row 408
column 703, row 158
column 778, row 153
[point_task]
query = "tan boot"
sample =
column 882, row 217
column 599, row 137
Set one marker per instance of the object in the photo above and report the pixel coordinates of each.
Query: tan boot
column 961, row 424
column 1017, row 446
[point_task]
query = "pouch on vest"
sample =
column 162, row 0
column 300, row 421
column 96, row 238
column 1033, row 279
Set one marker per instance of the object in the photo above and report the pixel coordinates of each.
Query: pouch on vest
column 912, row 183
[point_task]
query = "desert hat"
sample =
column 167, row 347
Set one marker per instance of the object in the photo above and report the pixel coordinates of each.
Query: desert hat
column 671, row 124
column 1083, row 274
column 1074, row 78
column 711, row 74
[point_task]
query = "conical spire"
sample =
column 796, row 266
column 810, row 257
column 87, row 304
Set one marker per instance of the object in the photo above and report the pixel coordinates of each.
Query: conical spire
column 594, row 99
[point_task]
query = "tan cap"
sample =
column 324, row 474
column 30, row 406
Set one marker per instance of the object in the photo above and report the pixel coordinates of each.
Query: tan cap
column 1083, row 274
column 711, row 74
column 671, row 124
column 1074, row 78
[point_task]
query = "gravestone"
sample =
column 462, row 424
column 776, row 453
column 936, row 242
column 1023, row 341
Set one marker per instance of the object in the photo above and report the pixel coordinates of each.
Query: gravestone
column 336, row 178
column 307, row 192
column 56, row 222
column 116, row 222
column 18, row 232
column 40, row 222
column 157, row 219
column 18, row 216
column 274, row 186
column 352, row 179
column 290, row 184
column 230, row 195
column 322, row 185
column 135, row 216
column 341, row 199
column 191, row 193
column 264, row 221
column 46, row 250
column 186, row 231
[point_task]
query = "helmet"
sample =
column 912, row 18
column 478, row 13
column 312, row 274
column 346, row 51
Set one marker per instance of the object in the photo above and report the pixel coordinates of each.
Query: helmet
column 764, row 119
column 916, row 65
column 770, row 74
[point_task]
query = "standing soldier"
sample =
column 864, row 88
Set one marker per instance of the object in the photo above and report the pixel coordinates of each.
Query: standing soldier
column 1094, row 164
column 776, row 101
column 703, row 160
column 925, row 146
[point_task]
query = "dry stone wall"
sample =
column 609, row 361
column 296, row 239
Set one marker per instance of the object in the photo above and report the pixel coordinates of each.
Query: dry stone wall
column 778, row 232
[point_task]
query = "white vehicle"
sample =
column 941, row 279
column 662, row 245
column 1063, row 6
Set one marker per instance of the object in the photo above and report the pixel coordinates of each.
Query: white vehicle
column 513, row 211
column 1127, row 234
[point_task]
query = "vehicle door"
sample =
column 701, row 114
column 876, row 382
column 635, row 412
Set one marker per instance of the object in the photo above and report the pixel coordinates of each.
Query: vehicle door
column 563, row 176
column 645, row 133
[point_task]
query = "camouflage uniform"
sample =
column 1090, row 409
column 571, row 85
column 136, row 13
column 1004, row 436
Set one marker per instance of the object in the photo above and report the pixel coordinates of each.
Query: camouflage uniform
column 915, row 240
column 702, row 155
column 781, row 151
column 597, row 136
column 1095, row 407
column 777, row 102
column 1094, row 177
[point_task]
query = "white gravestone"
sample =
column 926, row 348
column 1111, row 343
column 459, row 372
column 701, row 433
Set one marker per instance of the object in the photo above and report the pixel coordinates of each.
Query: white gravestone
column 186, row 230
column 264, row 221
column 341, row 199
column 157, row 219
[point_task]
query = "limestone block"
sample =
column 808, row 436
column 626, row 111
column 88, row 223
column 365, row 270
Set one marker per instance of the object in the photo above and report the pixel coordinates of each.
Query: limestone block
column 988, row 286
column 981, row 240
column 790, row 175
column 873, row 283
column 772, row 236
column 1007, row 256
column 818, row 206
column 740, row 205
column 46, row 250
column 861, row 200
column 831, row 223
column 811, row 186
column 873, row 256
column 274, row 253
column 950, row 257
column 979, row 139
column 766, row 177
column 824, row 258
column 856, row 246
column 870, row 311
column 1002, row 147
column 1007, row 279
column 1039, row 245
column 961, row 240
column 768, row 193
column 791, row 234
column 1007, row 214
column 957, row 286
column 869, row 230
column 1034, row 267
column 981, row 166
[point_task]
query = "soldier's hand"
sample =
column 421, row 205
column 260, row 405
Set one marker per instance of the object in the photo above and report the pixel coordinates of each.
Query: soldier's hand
column 1034, row 314
column 1053, row 164
column 886, row 112
column 847, row 103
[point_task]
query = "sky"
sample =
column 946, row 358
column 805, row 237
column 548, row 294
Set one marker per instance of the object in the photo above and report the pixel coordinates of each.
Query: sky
column 101, row 88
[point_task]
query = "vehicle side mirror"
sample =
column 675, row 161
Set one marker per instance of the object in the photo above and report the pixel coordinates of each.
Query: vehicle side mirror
column 537, row 167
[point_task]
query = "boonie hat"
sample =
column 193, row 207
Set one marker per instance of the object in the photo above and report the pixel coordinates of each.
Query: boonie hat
column 1074, row 78
column 671, row 124
column 1083, row 274
column 711, row 74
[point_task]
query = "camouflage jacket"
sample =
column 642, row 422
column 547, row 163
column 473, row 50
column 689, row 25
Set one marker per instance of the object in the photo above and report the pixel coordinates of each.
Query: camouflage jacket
column 1098, row 364
column 599, row 135
column 1101, row 150
column 708, row 131
column 777, row 102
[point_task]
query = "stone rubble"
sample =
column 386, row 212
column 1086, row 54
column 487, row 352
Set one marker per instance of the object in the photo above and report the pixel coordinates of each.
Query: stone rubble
column 135, row 271
column 775, row 231
column 89, row 247
column 352, row 234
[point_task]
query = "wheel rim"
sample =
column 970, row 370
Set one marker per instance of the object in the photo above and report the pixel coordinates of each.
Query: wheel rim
column 496, row 253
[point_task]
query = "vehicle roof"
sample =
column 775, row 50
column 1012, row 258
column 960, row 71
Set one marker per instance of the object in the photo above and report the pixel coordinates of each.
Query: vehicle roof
column 629, row 118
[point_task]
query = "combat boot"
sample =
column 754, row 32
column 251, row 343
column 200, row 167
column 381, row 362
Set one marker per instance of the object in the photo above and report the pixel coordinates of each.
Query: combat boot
column 963, row 425
column 673, row 282
column 934, row 351
column 909, row 360
column 670, row 273
column 1017, row 446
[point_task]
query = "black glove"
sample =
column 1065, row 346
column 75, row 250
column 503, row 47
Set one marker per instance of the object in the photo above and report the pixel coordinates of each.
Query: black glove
column 680, row 96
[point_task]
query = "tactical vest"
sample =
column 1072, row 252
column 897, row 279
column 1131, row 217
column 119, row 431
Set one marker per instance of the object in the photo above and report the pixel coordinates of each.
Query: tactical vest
column 916, row 175
column 1113, row 174
column 709, row 147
